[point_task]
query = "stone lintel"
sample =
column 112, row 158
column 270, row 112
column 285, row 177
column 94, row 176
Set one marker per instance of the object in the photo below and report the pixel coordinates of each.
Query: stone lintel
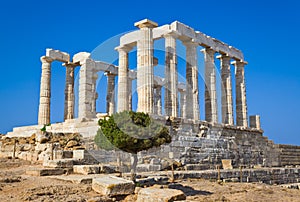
column 81, row 57
column 223, row 56
column 58, row 55
column 145, row 23
column 239, row 62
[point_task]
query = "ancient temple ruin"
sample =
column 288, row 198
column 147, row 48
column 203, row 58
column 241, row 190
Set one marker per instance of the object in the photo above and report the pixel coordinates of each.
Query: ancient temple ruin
column 195, row 141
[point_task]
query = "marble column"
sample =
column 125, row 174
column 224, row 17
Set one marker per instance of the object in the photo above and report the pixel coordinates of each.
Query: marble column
column 211, row 107
column 182, row 103
column 110, row 94
column 45, row 91
column 157, row 100
column 145, row 74
column 94, row 92
column 240, row 94
column 123, row 103
column 86, row 108
column 69, row 91
column 192, row 91
column 226, row 90
column 171, row 76
column 129, row 93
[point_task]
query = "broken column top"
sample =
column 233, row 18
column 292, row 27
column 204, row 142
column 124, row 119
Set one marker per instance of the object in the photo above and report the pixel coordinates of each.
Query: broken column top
column 146, row 23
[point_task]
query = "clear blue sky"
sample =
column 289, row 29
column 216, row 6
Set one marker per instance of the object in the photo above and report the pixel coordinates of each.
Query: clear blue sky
column 266, row 31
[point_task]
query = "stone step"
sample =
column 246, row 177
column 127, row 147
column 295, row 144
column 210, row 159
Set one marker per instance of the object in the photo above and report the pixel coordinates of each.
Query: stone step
column 59, row 163
column 46, row 171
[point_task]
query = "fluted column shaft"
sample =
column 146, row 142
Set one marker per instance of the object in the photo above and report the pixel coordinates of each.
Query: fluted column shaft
column 86, row 108
column 171, row 76
column 94, row 91
column 211, row 107
column 226, row 90
column 145, row 77
column 129, row 94
column 123, row 103
column 157, row 100
column 241, row 101
column 110, row 95
column 45, row 91
column 182, row 103
column 192, row 91
column 69, row 91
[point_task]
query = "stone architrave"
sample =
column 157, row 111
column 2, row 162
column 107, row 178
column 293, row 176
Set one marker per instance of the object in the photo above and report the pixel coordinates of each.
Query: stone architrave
column 69, row 91
column 45, row 91
column 211, row 107
column 226, row 90
column 157, row 100
column 86, row 92
column 145, row 74
column 192, row 90
column 110, row 95
column 171, row 76
column 240, row 94
column 123, row 101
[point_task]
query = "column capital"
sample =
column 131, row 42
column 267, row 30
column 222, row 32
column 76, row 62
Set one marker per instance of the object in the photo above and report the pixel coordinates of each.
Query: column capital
column 126, row 49
column 208, row 50
column 173, row 34
column 239, row 62
column 109, row 74
column 190, row 43
column 146, row 23
column 223, row 57
column 46, row 59
column 70, row 64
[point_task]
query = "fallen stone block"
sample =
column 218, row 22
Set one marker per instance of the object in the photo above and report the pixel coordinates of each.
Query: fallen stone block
column 113, row 186
column 159, row 195
column 59, row 163
column 86, row 169
column 45, row 171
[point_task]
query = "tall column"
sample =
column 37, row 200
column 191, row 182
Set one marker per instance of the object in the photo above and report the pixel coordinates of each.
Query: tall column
column 226, row 90
column 45, row 91
column 192, row 91
column 182, row 103
column 241, row 101
column 123, row 104
column 110, row 95
column 145, row 75
column 129, row 93
column 211, row 107
column 94, row 92
column 171, row 76
column 86, row 101
column 157, row 100
column 69, row 91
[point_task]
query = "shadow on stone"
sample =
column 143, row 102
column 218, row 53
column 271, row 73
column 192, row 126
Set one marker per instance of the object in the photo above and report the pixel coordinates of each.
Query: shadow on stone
column 189, row 191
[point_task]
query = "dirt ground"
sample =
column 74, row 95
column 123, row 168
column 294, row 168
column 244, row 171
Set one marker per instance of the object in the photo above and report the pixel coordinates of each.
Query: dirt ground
column 15, row 186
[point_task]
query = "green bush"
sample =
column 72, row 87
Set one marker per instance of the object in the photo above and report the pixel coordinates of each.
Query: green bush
column 131, row 132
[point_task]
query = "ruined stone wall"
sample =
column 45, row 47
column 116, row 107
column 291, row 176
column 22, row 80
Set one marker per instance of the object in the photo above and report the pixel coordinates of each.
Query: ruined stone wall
column 289, row 155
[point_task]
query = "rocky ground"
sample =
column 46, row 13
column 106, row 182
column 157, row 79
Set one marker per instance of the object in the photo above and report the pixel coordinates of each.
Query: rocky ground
column 16, row 186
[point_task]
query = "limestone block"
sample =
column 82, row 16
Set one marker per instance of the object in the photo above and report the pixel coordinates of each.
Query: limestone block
column 58, row 55
column 112, row 186
column 59, row 163
column 81, row 57
column 86, row 169
column 156, row 194
column 44, row 171
column 226, row 163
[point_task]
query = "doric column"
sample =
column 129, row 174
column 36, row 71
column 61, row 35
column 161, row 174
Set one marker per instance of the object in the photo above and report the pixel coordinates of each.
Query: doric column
column 94, row 92
column 192, row 91
column 45, row 91
column 110, row 94
column 182, row 103
column 86, row 108
column 171, row 76
column 69, row 91
column 129, row 93
column 211, row 107
column 123, row 104
column 145, row 75
column 240, row 94
column 157, row 100
column 226, row 90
